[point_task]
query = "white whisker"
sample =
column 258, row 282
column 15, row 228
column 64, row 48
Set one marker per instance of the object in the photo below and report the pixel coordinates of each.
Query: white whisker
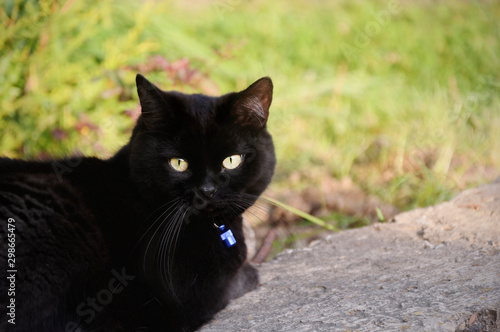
column 168, row 211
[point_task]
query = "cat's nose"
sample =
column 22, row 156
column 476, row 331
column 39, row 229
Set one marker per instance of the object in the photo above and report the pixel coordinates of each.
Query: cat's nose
column 208, row 190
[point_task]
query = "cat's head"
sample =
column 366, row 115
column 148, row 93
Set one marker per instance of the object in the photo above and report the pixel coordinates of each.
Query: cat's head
column 213, row 155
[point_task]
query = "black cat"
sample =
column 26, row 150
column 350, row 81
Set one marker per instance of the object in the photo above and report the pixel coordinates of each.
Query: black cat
column 149, row 240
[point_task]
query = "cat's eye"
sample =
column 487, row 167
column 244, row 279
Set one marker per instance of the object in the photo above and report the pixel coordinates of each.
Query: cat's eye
column 180, row 165
column 232, row 162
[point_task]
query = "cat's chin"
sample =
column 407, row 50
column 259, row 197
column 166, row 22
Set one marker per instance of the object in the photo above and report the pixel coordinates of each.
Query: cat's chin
column 214, row 211
column 210, row 209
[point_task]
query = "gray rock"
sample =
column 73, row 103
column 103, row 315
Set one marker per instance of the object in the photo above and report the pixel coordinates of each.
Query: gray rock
column 433, row 269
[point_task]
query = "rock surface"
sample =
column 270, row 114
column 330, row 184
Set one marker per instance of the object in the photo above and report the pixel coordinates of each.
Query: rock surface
column 432, row 269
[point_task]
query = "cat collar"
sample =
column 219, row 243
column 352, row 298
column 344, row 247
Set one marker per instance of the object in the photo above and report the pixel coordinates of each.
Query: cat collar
column 226, row 235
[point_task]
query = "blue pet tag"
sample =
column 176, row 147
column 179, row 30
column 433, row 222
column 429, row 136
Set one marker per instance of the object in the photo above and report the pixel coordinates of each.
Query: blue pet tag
column 227, row 236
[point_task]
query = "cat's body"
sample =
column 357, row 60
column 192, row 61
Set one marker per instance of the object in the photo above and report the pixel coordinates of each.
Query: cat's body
column 132, row 243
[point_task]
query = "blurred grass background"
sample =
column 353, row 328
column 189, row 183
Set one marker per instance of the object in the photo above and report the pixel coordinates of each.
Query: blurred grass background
column 403, row 97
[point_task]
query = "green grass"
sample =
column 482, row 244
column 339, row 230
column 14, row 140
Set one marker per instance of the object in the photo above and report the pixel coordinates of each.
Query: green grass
column 411, row 112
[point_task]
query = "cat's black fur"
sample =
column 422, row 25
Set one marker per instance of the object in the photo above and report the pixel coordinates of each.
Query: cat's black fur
column 128, row 243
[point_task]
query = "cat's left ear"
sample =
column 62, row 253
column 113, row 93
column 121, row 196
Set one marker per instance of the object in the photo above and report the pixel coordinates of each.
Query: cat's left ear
column 252, row 106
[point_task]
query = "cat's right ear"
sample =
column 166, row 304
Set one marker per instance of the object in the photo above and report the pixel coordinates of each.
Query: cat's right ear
column 155, row 103
column 149, row 94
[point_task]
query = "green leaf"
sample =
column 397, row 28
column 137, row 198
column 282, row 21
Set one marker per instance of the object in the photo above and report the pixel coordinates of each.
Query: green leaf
column 380, row 215
column 303, row 215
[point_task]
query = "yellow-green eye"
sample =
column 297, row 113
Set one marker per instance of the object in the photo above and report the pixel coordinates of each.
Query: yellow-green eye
column 180, row 165
column 232, row 162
